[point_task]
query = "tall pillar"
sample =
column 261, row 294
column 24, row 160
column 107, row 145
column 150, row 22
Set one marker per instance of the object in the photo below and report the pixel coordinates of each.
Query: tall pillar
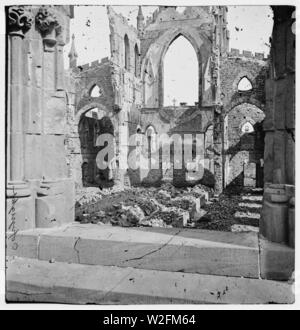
column 20, row 207
column 55, row 200
column 279, row 126
column 19, row 22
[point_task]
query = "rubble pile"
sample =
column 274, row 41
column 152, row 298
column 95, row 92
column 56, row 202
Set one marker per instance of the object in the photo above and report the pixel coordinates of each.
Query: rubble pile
column 166, row 206
column 87, row 196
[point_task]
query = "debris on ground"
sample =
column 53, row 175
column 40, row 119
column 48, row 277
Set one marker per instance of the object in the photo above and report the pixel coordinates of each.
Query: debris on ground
column 168, row 206
column 244, row 229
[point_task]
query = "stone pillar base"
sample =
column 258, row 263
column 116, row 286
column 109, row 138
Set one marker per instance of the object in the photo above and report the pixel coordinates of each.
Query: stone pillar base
column 55, row 203
column 20, row 210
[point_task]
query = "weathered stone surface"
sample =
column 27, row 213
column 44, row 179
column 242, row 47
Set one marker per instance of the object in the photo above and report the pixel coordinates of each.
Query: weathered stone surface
column 58, row 248
column 277, row 261
column 20, row 213
column 24, row 245
column 54, row 160
column 35, row 108
column 50, row 211
column 191, row 251
column 41, row 281
column 279, row 165
column 291, row 225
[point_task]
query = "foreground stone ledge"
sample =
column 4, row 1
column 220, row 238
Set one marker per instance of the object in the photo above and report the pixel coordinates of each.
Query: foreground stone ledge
column 31, row 280
column 190, row 251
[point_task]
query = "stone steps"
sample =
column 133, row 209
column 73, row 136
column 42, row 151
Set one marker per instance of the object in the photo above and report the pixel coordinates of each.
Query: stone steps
column 32, row 280
column 248, row 215
column 250, row 207
column 252, row 198
column 171, row 249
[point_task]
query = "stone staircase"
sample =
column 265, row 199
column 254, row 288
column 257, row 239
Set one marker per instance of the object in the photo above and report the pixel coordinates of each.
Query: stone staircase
column 249, row 209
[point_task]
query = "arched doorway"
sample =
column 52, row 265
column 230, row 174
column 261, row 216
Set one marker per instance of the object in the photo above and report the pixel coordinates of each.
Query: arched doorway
column 91, row 125
column 243, row 147
column 180, row 69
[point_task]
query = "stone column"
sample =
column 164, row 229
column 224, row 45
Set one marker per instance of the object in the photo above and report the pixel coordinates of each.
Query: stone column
column 20, row 207
column 55, row 200
column 19, row 22
column 279, row 126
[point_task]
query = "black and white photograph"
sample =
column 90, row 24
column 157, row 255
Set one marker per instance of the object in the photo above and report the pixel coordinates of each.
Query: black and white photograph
column 149, row 155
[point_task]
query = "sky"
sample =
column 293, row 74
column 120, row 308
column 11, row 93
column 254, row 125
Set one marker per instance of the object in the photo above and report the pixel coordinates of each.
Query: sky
column 250, row 28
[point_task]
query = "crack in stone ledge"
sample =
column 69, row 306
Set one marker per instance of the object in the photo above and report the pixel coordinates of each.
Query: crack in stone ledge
column 77, row 251
column 154, row 251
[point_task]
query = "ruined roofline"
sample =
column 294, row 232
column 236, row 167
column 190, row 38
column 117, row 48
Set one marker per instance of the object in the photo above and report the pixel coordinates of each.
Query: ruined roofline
column 111, row 12
column 234, row 52
column 152, row 19
column 87, row 66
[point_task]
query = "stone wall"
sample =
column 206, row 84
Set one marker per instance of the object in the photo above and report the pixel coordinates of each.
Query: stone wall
column 229, row 161
column 39, row 189
column 197, row 25
column 131, row 86
column 81, row 81
column 233, row 69
column 279, row 171
column 280, row 110
column 242, row 148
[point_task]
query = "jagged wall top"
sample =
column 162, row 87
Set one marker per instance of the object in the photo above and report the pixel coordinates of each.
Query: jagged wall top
column 247, row 54
column 94, row 64
column 164, row 13
column 112, row 15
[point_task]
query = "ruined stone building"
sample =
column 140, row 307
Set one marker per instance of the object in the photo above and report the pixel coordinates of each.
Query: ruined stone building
column 124, row 95
column 243, row 117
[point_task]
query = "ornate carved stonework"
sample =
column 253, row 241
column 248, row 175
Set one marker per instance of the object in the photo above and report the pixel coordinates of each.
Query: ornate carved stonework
column 46, row 20
column 19, row 20
column 48, row 25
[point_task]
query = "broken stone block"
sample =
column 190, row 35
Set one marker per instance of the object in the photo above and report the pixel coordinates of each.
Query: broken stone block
column 197, row 216
column 181, row 219
column 134, row 214
column 163, row 194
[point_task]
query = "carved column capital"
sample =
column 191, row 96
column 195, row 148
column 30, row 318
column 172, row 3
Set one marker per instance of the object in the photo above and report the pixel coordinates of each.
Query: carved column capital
column 19, row 20
column 48, row 25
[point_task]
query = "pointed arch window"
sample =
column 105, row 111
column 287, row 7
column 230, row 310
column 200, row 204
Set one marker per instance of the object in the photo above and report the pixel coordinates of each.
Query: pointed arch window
column 209, row 140
column 151, row 142
column 245, row 85
column 95, row 91
column 126, row 53
column 247, row 128
column 180, row 69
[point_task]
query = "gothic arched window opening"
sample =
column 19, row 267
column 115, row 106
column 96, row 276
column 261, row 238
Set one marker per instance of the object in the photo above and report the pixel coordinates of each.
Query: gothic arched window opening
column 95, row 91
column 181, row 69
column 245, row 85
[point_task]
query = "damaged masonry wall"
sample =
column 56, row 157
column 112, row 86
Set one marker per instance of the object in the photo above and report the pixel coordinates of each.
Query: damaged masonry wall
column 131, row 90
column 45, row 107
